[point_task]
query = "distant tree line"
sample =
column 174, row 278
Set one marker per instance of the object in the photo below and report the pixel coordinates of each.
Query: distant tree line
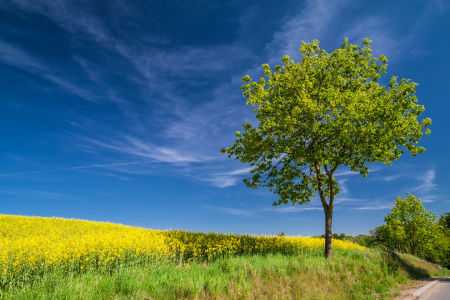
column 409, row 228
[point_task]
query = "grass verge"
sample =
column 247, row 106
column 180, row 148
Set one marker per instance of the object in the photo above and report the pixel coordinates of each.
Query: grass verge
column 350, row 274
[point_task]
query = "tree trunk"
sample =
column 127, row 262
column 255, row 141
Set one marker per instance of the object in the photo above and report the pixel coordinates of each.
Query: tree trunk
column 327, row 207
column 328, row 233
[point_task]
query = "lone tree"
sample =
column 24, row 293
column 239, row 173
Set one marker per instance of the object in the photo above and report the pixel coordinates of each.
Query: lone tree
column 321, row 113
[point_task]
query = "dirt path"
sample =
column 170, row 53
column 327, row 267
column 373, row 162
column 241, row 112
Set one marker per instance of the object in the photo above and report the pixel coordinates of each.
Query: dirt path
column 407, row 291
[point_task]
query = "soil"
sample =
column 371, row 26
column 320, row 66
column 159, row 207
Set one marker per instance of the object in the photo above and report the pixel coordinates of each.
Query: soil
column 407, row 290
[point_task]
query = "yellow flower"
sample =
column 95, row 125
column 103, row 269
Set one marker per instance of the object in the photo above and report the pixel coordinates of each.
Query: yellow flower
column 40, row 243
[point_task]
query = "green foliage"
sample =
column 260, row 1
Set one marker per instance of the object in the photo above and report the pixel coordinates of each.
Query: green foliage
column 445, row 220
column 336, row 236
column 324, row 112
column 391, row 261
column 352, row 275
column 410, row 228
column 321, row 113
column 377, row 237
column 367, row 241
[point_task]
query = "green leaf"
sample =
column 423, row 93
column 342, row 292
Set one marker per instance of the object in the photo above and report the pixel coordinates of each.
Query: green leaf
column 326, row 111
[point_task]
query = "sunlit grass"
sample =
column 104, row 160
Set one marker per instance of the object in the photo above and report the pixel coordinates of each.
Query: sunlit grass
column 31, row 246
column 350, row 274
column 51, row 258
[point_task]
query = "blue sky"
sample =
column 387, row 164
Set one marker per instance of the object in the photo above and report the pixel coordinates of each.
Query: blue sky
column 117, row 110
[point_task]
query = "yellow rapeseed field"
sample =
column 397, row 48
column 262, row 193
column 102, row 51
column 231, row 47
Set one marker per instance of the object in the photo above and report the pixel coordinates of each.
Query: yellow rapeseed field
column 31, row 245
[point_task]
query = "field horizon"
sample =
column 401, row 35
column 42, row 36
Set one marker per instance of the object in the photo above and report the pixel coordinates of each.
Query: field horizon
column 59, row 258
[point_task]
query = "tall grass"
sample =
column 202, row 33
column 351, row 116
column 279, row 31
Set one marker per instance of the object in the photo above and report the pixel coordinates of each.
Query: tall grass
column 48, row 258
column 350, row 274
column 31, row 247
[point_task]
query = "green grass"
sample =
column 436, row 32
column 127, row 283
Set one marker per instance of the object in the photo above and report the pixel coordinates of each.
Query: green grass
column 348, row 275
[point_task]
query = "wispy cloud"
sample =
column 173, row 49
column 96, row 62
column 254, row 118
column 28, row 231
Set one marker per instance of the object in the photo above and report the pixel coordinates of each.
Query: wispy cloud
column 72, row 16
column 171, row 123
column 427, row 180
column 78, row 168
column 392, row 177
column 345, row 173
column 313, row 22
column 16, row 57
column 293, row 208
column 349, row 200
column 322, row 20
column 396, row 44
column 229, row 211
column 115, row 176
column 72, row 88
column 373, row 27
column 374, row 207
column 240, row 171
column 142, row 148
column 222, row 179
column 39, row 194
column 429, row 198
column 427, row 187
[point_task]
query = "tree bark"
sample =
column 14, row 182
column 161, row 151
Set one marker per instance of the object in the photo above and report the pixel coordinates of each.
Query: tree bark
column 328, row 233
column 327, row 208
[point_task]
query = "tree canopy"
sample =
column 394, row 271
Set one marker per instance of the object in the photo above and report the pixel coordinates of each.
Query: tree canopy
column 445, row 220
column 411, row 228
column 321, row 113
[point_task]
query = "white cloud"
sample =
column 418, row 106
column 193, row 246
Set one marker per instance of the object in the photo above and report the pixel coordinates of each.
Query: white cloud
column 348, row 199
column 39, row 194
column 144, row 149
column 16, row 57
column 229, row 211
column 314, row 22
column 110, row 165
column 243, row 171
column 186, row 133
column 345, row 173
column 293, row 208
column 427, row 184
column 374, row 207
column 67, row 14
column 391, row 178
column 224, row 179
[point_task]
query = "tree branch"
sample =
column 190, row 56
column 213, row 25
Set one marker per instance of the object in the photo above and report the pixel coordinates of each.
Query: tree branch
column 320, row 188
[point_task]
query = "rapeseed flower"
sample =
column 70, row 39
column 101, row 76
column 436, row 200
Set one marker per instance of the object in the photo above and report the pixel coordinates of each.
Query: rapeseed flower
column 32, row 245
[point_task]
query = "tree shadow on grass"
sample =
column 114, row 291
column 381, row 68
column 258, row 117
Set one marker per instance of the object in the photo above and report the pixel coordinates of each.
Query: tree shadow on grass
column 414, row 272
